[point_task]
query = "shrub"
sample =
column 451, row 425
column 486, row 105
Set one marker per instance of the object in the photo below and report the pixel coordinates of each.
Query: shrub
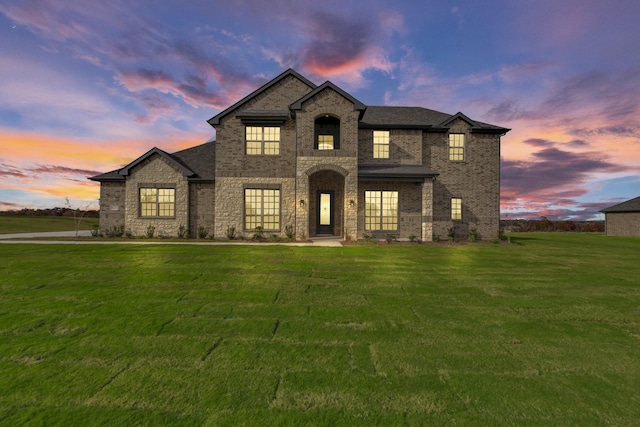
column 118, row 230
column 151, row 230
column 289, row 232
column 412, row 238
column 95, row 230
column 202, row 232
column 390, row 238
column 473, row 235
column 128, row 234
column 182, row 232
column 231, row 232
column 258, row 234
column 451, row 234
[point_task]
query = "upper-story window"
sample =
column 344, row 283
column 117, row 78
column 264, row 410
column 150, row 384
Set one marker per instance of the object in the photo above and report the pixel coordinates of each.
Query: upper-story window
column 263, row 140
column 380, row 144
column 456, row 146
column 327, row 133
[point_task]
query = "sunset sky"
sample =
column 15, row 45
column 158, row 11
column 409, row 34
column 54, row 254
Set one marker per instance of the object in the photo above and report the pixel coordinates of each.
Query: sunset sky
column 87, row 86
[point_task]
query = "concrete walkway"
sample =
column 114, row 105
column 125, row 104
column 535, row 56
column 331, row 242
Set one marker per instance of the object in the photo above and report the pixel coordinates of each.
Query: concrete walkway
column 81, row 233
column 32, row 238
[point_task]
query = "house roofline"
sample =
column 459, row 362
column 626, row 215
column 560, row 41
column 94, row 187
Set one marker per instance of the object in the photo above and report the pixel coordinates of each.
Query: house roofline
column 215, row 120
column 359, row 106
column 186, row 171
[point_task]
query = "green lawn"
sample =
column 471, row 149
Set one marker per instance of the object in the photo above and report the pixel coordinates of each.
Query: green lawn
column 10, row 224
column 545, row 331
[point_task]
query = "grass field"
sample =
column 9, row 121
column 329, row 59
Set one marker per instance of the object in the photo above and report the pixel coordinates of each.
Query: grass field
column 35, row 224
column 545, row 331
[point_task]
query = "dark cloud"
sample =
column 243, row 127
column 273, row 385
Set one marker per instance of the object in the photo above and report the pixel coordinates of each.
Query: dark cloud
column 9, row 205
column 538, row 142
column 62, row 170
column 334, row 42
column 9, row 171
column 615, row 130
column 506, row 111
column 553, row 176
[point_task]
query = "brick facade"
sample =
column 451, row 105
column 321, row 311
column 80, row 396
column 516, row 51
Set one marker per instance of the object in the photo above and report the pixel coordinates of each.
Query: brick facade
column 622, row 224
column 211, row 195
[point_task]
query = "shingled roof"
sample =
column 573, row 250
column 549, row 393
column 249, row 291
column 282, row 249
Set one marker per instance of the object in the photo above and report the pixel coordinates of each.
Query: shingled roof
column 632, row 205
column 387, row 117
column 195, row 163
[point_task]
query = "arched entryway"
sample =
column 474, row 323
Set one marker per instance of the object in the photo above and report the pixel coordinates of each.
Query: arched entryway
column 326, row 203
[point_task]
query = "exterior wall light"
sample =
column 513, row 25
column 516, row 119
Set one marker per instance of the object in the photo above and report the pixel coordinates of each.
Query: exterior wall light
column 352, row 203
column 301, row 203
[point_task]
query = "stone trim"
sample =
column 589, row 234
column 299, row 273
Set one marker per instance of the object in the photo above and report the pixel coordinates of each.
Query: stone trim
column 326, row 166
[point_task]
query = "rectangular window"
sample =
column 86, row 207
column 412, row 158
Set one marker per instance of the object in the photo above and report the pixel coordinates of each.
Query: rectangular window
column 456, row 209
column 325, row 142
column 456, row 146
column 380, row 144
column 261, row 209
column 381, row 210
column 157, row 202
column 263, row 140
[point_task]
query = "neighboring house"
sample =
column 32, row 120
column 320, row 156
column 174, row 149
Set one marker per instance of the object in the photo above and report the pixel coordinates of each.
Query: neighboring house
column 313, row 159
column 623, row 219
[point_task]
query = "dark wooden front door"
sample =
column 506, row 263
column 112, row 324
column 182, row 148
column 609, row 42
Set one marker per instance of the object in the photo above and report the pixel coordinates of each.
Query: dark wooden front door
column 325, row 212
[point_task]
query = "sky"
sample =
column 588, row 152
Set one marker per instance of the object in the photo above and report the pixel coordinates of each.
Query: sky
column 87, row 87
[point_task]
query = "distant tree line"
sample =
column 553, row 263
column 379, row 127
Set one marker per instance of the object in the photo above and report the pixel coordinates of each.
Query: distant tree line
column 66, row 212
column 545, row 224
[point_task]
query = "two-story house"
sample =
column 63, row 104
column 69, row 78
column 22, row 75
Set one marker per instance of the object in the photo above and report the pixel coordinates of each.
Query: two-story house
column 314, row 159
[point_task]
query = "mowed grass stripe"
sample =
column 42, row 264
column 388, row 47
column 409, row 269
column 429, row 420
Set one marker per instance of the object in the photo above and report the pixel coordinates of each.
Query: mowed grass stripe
column 543, row 331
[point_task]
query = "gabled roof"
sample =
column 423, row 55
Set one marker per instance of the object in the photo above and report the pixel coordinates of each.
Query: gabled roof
column 200, row 159
column 194, row 163
column 401, row 117
column 475, row 125
column 290, row 72
column 356, row 104
column 388, row 117
column 632, row 205
column 186, row 171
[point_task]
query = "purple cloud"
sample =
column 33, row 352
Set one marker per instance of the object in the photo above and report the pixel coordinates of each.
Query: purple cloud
column 62, row 170
column 553, row 169
column 10, row 171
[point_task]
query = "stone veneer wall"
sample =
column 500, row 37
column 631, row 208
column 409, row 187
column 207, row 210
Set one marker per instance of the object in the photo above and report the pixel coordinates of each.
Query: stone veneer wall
column 344, row 160
column 229, row 204
column 112, row 206
column 201, row 207
column 156, row 170
column 622, row 224
column 476, row 180
column 345, row 166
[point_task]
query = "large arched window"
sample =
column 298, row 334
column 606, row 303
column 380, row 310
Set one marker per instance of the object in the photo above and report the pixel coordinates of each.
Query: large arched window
column 327, row 133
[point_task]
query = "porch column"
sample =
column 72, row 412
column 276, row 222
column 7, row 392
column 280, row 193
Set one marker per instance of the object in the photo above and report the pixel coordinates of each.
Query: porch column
column 427, row 210
column 351, row 210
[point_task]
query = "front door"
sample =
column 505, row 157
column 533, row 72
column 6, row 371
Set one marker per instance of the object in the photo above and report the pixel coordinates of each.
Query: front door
column 325, row 215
